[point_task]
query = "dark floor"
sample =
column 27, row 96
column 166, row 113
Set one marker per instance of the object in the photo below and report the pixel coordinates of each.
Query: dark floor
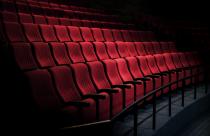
column 198, row 127
column 125, row 127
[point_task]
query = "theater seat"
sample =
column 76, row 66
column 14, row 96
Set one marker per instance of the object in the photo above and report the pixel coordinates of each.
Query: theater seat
column 115, row 81
column 39, row 19
column 108, row 35
column 87, row 89
column 88, row 51
column 75, row 34
column 87, row 34
column 48, row 33
column 140, row 48
column 74, row 51
column 25, row 18
column 100, row 49
column 43, row 54
column 101, row 82
column 32, row 32
column 62, row 33
column 64, row 98
column 122, row 49
column 112, row 50
column 98, row 35
column 23, row 56
column 60, row 54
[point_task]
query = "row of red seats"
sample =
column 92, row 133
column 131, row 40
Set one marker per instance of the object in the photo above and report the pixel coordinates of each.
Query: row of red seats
column 50, row 11
column 99, row 90
column 40, row 19
column 53, row 33
column 50, row 5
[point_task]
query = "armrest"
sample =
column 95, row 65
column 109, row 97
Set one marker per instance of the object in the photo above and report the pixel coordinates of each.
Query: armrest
column 95, row 96
column 133, row 82
column 143, row 79
column 121, row 86
column 109, row 90
column 77, row 103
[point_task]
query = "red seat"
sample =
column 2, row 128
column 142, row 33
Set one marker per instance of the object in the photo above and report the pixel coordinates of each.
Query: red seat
column 62, row 33
column 112, row 50
column 171, row 66
column 98, row 35
column 55, row 98
column 65, row 21
column 39, row 19
column 9, row 16
column 75, row 34
column 115, row 81
column 74, row 51
column 32, row 32
column 157, row 47
column 14, row 32
column 148, row 48
column 122, row 49
column 87, row 89
column 87, row 34
column 140, row 48
column 25, row 18
column 88, row 51
column 101, row 50
column 126, row 36
column 155, row 70
column 23, row 56
column 127, row 78
column 52, row 20
column 60, row 54
column 163, row 68
column 43, row 54
column 48, row 33
column 101, row 82
column 108, row 35
column 117, row 35
column 76, row 22
column 131, row 49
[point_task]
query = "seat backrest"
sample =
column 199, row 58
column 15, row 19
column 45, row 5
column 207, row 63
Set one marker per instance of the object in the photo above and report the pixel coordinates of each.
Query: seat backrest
column 148, row 48
column 48, row 33
column 9, row 16
column 157, row 47
column 101, row 50
column 112, row 50
column 169, row 61
column 82, row 78
column 64, row 83
column 165, row 47
column 43, row 54
column 183, row 60
column 123, row 69
column 112, row 72
column 88, row 51
column 65, row 21
column 75, row 34
column 176, row 60
column 161, row 62
column 152, row 64
column 134, row 67
column 42, row 90
column 14, row 32
column 39, row 19
column 59, row 52
column 32, row 32
column 144, row 65
column 23, row 56
column 25, row 18
column 98, row 35
column 76, row 22
column 122, row 49
column 98, row 75
column 52, row 20
column 108, row 35
column 62, row 33
column 74, row 51
column 140, row 48
column 117, row 35
column 87, row 34
column 131, row 48
column 126, row 35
